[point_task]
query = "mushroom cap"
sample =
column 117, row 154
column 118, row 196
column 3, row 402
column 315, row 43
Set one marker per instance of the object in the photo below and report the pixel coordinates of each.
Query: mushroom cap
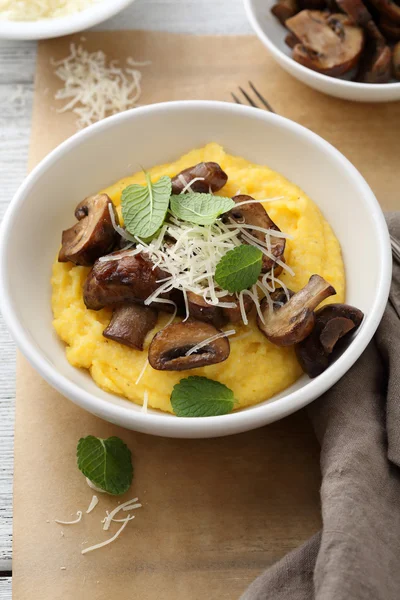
column 378, row 65
column 291, row 323
column 284, row 9
column 214, row 178
column 396, row 61
column 255, row 214
column 329, row 44
column 128, row 279
column 332, row 323
column 93, row 235
column 167, row 351
column 389, row 29
column 388, row 9
column 201, row 310
column 130, row 324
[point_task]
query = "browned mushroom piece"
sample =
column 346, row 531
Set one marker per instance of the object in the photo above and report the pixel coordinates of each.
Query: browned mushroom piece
column 130, row 324
column 330, row 44
column 378, row 65
column 169, row 347
column 291, row 40
column 234, row 315
column 256, row 215
column 93, row 236
column 203, row 311
column 332, row 323
column 284, row 9
column 291, row 323
column 375, row 66
column 389, row 9
column 396, row 61
column 124, row 279
column 390, row 30
column 211, row 177
column 312, row 4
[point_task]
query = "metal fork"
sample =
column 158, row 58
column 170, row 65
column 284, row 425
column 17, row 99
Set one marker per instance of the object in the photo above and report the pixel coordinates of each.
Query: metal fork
column 261, row 98
column 267, row 106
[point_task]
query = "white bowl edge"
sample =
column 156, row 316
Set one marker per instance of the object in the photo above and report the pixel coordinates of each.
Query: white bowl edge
column 168, row 425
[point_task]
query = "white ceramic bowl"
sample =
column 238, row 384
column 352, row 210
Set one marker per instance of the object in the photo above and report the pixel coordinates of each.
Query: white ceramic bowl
column 272, row 34
column 102, row 154
column 52, row 28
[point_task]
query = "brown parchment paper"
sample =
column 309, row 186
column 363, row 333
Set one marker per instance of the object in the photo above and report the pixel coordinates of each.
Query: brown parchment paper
column 216, row 512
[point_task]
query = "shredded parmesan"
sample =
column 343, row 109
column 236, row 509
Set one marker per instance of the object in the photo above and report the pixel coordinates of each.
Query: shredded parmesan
column 146, row 362
column 109, row 541
column 129, row 505
column 77, row 520
column 217, row 336
column 95, row 87
column 94, row 502
column 33, row 10
column 145, row 401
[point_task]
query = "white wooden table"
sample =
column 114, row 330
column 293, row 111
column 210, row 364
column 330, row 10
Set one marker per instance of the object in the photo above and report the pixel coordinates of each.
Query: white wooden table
column 17, row 65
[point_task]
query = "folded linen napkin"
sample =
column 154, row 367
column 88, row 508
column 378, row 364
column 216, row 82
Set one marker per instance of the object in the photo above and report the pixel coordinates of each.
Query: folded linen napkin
column 356, row 556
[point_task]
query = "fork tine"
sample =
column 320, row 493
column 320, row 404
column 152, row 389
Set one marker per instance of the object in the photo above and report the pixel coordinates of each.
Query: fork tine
column 236, row 99
column 261, row 98
column 249, row 100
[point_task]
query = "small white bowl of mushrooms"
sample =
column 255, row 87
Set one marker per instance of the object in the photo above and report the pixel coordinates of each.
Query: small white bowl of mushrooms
column 349, row 49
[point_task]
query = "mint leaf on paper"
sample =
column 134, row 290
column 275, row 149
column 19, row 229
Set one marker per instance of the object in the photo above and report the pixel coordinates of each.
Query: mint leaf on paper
column 107, row 463
column 201, row 397
column 239, row 269
column 144, row 207
column 201, row 209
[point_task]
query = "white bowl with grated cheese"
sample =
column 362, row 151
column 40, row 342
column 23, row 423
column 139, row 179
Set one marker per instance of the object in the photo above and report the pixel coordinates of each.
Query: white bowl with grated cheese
column 104, row 153
column 44, row 19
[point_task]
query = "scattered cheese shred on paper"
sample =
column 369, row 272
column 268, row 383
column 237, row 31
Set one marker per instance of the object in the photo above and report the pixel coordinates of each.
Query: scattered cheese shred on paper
column 109, row 541
column 33, row 10
column 95, row 87
column 77, row 520
column 93, row 503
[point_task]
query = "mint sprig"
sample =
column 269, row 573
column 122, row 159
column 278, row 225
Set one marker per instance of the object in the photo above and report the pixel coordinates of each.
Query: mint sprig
column 144, row 207
column 201, row 397
column 107, row 463
column 239, row 269
column 201, row 209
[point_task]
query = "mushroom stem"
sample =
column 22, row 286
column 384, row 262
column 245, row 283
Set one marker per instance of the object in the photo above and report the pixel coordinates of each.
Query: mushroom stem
column 292, row 322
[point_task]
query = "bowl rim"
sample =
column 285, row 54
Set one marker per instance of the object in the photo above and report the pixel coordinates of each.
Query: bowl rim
column 51, row 28
column 164, row 423
column 290, row 63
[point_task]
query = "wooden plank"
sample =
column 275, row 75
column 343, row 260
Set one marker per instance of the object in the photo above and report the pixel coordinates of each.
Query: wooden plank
column 5, row 588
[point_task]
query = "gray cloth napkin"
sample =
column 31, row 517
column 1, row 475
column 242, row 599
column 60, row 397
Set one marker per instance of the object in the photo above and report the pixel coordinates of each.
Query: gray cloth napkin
column 356, row 556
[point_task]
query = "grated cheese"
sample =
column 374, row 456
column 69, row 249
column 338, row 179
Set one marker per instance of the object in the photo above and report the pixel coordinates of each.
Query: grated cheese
column 94, row 502
column 77, row 520
column 33, row 10
column 95, row 87
column 145, row 401
column 129, row 505
column 146, row 362
column 217, row 336
column 109, row 541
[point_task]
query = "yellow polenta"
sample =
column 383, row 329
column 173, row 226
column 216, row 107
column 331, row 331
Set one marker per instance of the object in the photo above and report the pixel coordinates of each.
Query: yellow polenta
column 255, row 369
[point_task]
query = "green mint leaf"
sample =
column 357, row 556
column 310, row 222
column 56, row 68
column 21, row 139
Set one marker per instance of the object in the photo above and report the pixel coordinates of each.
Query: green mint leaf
column 201, row 209
column 144, row 207
column 201, row 397
column 239, row 269
column 107, row 463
